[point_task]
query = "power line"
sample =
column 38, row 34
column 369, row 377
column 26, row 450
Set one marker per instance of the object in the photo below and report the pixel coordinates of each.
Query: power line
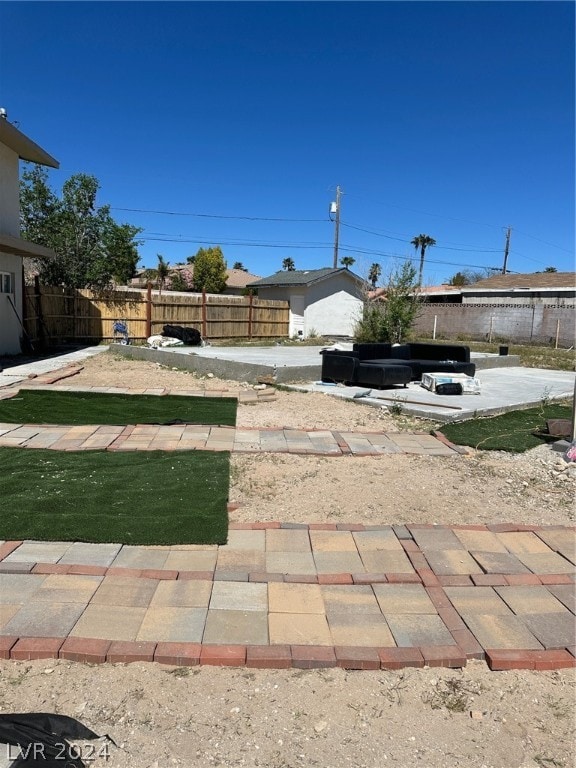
column 301, row 246
column 427, row 213
column 544, row 241
column 402, row 240
column 216, row 215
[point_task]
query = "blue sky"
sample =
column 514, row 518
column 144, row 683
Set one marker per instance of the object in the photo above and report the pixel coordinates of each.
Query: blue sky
column 452, row 119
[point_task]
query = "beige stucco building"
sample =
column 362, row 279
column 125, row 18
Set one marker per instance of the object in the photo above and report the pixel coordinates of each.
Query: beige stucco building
column 14, row 146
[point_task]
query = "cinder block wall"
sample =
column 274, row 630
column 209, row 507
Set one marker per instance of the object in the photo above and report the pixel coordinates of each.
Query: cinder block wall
column 514, row 323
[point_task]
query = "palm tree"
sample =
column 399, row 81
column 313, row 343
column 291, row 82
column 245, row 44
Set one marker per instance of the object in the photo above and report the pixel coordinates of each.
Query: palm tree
column 422, row 242
column 288, row 265
column 347, row 261
column 374, row 274
column 162, row 271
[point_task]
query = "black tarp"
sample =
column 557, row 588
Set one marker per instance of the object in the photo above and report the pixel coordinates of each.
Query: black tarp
column 190, row 336
column 42, row 739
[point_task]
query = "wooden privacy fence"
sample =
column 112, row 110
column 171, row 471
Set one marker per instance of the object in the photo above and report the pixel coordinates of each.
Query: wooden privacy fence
column 55, row 314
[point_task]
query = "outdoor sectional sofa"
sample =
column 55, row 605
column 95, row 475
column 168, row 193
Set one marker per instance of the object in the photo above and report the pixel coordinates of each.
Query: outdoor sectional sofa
column 385, row 365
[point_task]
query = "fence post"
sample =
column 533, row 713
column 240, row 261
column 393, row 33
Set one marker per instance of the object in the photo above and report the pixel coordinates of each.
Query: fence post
column 250, row 298
column 203, row 314
column 557, row 333
column 148, row 309
column 490, row 332
column 38, row 309
column 434, row 331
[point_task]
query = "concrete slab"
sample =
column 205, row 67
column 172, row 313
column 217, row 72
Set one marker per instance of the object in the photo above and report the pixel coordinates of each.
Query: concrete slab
column 18, row 369
column 505, row 387
column 502, row 389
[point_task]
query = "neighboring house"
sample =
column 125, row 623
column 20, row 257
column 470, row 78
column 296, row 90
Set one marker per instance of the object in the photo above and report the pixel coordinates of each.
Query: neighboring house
column 432, row 294
column 15, row 146
column 441, row 294
column 544, row 288
column 236, row 279
column 324, row 301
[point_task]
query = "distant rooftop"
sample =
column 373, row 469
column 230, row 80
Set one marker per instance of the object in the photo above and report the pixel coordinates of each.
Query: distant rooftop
column 302, row 277
column 532, row 281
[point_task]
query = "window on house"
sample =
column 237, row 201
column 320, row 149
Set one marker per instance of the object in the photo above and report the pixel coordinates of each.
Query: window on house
column 6, row 282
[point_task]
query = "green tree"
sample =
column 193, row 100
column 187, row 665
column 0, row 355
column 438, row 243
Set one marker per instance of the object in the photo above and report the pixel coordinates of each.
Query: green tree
column 178, row 281
column 374, row 274
column 288, row 265
column 347, row 261
column 91, row 248
column 468, row 277
column 422, row 242
column 240, row 266
column 120, row 251
column 459, row 279
column 550, row 269
column 210, row 270
column 162, row 272
column 392, row 318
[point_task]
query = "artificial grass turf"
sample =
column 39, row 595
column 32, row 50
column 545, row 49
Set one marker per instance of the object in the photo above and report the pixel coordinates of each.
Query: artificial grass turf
column 135, row 497
column 49, row 407
column 508, row 432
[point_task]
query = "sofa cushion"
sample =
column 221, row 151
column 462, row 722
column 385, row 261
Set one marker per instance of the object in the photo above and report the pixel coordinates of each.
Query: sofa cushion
column 444, row 352
column 383, row 375
column 339, row 367
column 387, row 361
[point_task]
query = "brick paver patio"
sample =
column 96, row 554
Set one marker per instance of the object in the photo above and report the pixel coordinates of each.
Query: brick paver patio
column 278, row 595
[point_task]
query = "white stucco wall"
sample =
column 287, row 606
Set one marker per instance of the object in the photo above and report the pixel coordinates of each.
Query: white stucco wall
column 10, row 225
column 10, row 330
column 332, row 306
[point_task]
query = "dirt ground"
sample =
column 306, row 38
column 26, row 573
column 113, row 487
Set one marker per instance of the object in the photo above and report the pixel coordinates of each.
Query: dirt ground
column 207, row 716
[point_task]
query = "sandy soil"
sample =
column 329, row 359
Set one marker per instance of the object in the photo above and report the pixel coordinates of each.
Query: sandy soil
column 473, row 718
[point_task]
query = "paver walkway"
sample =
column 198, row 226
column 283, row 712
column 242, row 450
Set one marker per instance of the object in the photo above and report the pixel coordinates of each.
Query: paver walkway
column 187, row 437
column 361, row 597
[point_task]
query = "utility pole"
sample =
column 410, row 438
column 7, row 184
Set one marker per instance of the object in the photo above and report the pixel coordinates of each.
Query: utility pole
column 506, row 250
column 335, row 208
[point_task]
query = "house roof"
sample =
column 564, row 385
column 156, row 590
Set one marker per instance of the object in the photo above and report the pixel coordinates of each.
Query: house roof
column 428, row 290
column 303, row 277
column 23, row 146
column 534, row 281
column 235, row 278
column 19, row 247
column 238, row 278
